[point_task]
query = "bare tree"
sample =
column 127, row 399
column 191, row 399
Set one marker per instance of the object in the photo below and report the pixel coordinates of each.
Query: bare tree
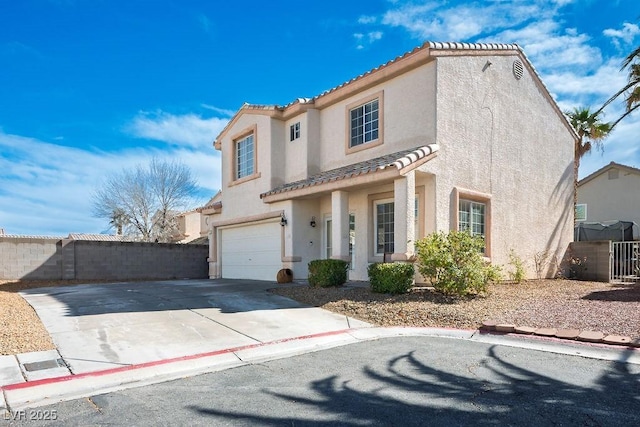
column 144, row 201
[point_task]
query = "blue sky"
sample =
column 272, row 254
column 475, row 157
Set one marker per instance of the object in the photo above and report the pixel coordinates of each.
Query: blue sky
column 88, row 87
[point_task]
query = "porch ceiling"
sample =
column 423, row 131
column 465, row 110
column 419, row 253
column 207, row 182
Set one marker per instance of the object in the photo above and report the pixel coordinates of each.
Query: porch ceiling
column 362, row 173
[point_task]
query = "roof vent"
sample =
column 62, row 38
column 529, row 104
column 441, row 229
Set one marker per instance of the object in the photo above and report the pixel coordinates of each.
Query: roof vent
column 518, row 70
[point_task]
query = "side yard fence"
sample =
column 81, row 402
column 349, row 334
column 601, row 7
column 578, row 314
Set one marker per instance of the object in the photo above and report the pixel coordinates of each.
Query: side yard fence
column 56, row 259
column 606, row 261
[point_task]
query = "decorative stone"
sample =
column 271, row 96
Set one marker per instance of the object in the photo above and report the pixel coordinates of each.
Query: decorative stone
column 591, row 336
column 489, row 325
column 616, row 340
column 568, row 334
column 505, row 327
column 545, row 332
column 525, row 330
column 635, row 343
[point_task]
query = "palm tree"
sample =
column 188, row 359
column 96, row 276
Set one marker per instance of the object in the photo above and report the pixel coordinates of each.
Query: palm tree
column 119, row 220
column 631, row 89
column 591, row 131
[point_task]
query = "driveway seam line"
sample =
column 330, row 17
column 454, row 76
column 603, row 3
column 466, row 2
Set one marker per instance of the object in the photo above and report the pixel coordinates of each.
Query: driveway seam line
column 201, row 315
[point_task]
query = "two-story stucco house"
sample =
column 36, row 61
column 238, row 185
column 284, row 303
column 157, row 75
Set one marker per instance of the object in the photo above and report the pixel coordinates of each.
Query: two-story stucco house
column 448, row 136
column 611, row 193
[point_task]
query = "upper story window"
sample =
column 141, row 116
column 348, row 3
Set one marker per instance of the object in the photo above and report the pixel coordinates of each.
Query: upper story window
column 581, row 212
column 245, row 156
column 294, row 131
column 365, row 123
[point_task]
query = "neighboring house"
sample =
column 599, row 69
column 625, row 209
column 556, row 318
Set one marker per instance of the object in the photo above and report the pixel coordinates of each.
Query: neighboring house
column 611, row 193
column 448, row 136
column 190, row 226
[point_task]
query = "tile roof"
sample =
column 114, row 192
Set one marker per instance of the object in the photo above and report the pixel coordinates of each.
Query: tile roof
column 398, row 160
column 99, row 237
column 435, row 46
column 214, row 203
column 28, row 236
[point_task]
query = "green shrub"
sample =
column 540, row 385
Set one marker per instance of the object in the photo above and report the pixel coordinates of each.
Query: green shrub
column 327, row 272
column 518, row 274
column 454, row 263
column 391, row 277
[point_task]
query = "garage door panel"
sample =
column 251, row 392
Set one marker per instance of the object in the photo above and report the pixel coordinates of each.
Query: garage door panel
column 251, row 252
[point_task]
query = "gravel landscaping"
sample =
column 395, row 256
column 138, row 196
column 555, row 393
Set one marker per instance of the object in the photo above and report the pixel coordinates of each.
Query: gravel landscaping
column 559, row 304
column 546, row 303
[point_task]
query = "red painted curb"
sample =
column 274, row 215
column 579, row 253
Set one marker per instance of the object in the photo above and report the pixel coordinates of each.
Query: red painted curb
column 103, row 372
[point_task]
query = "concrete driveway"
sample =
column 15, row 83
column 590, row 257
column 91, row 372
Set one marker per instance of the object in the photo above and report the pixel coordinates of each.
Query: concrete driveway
column 102, row 326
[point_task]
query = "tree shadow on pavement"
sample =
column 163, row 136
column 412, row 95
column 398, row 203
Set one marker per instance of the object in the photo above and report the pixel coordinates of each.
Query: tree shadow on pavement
column 491, row 392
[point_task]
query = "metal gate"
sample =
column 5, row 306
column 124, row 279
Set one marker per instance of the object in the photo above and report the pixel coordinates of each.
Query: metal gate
column 625, row 262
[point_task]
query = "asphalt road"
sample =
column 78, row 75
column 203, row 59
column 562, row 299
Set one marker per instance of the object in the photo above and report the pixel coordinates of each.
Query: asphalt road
column 394, row 381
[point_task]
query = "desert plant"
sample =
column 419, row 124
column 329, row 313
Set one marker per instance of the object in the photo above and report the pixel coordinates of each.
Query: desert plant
column 391, row 277
column 327, row 272
column 454, row 264
column 518, row 274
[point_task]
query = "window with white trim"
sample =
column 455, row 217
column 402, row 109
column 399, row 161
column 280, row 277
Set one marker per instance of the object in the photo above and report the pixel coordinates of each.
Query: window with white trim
column 294, row 131
column 383, row 226
column 364, row 123
column 471, row 217
column 581, row 212
column 244, row 152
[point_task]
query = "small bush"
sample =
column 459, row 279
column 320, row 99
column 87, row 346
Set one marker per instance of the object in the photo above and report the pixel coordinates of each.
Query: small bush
column 454, row 263
column 518, row 274
column 327, row 272
column 391, row 278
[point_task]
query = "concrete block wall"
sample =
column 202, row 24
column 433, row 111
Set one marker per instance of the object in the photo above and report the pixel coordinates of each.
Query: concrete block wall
column 54, row 259
column 596, row 260
column 137, row 260
column 30, row 258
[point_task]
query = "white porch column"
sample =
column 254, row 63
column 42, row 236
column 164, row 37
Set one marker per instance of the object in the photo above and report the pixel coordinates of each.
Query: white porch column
column 340, row 225
column 404, row 197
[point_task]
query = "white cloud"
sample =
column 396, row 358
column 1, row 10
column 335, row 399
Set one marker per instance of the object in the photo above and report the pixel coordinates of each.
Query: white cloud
column 604, row 82
column 367, row 39
column 205, row 22
column 221, row 111
column 367, row 20
column 46, row 188
column 627, row 34
column 189, row 129
column 430, row 21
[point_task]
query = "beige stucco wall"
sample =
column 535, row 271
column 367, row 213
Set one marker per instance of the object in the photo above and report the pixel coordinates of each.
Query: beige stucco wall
column 404, row 127
column 500, row 136
column 190, row 226
column 243, row 199
column 612, row 199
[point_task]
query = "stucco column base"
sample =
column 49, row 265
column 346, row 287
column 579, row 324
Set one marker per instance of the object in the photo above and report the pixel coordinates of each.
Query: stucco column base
column 213, row 270
column 403, row 257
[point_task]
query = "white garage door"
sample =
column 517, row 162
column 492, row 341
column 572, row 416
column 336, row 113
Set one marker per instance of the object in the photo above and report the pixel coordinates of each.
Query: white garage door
column 251, row 251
